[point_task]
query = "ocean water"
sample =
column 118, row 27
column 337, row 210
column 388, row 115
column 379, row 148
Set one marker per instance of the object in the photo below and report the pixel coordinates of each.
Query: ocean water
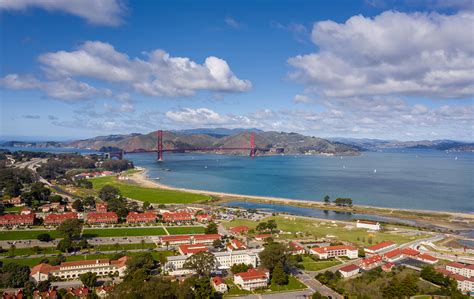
column 418, row 179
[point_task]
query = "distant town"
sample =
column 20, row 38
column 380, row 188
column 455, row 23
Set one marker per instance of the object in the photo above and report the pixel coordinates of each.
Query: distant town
column 83, row 226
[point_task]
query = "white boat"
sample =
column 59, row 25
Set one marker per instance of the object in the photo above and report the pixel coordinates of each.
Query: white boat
column 157, row 178
column 375, row 170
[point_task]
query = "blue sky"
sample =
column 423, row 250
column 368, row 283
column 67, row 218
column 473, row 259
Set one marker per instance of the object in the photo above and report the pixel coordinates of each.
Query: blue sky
column 379, row 69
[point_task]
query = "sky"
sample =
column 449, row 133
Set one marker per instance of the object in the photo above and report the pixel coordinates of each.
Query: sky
column 364, row 69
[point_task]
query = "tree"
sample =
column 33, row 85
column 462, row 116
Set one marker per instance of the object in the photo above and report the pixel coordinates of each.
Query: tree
column 146, row 205
column 327, row 200
column 89, row 201
column 71, row 228
column 211, row 228
column 14, row 275
column 237, row 268
column 318, row 295
column 55, row 198
column 83, row 244
column 279, row 276
column 119, row 206
column 143, row 262
column 43, row 286
column 217, row 243
column 202, row 288
column 272, row 255
column 89, row 279
column 11, row 251
column 271, row 225
column 262, row 226
column 77, row 205
column 109, row 192
column 65, row 245
column 202, row 263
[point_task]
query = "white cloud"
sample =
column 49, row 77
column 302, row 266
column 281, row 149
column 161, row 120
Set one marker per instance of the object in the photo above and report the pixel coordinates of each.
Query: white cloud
column 392, row 53
column 158, row 75
column 230, row 21
column 99, row 12
column 301, row 98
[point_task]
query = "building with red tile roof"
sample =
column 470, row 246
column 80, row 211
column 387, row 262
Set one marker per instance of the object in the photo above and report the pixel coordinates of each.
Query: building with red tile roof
column 189, row 239
column 380, row 247
column 218, row 284
column 235, row 244
column 387, row 267
column 393, row 255
column 461, row 269
column 49, row 294
column 190, row 249
column 203, row 217
column 262, row 237
column 296, row 248
column 102, row 218
column 146, row 217
column 239, row 230
column 426, row 258
column 349, row 270
column 410, row 252
column 371, row 262
column 72, row 270
column 101, row 207
column 58, row 218
column 178, row 216
column 335, row 251
column 252, row 279
column 17, row 220
column 13, row 294
column 465, row 283
column 80, row 292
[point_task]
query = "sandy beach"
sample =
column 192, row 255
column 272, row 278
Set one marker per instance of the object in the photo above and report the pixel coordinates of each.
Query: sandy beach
column 453, row 220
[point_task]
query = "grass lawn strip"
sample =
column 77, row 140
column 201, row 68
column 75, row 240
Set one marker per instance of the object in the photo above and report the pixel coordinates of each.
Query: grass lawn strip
column 311, row 265
column 185, row 230
column 26, row 234
column 123, row 232
column 152, row 195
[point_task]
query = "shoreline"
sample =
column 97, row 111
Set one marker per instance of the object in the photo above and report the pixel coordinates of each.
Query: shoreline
column 454, row 219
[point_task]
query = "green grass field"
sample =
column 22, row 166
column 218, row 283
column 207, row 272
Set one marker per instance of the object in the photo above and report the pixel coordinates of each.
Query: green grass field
column 152, row 195
column 26, row 234
column 123, row 232
column 311, row 265
column 13, row 209
column 293, row 284
column 317, row 229
column 185, row 230
column 113, row 247
column 30, row 251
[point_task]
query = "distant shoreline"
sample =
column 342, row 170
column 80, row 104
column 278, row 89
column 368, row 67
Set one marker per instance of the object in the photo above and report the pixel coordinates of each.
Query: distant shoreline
column 436, row 217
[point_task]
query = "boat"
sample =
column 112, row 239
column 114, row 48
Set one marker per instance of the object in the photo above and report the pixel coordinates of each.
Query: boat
column 375, row 170
column 157, row 178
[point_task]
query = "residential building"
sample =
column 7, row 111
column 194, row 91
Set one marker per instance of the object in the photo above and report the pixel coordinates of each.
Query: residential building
column 380, row 247
column 17, row 220
column 102, row 218
column 262, row 237
column 387, row 267
column 426, row 258
column 203, row 218
column 140, row 218
column 461, row 269
column 80, row 292
column 218, row 284
column 235, row 244
column 464, row 284
column 371, row 225
column 104, row 291
column 335, row 251
column 26, row 211
column 57, row 219
column 178, row 216
column 48, row 294
column 224, row 260
column 239, row 230
column 296, row 248
column 399, row 254
column 189, row 239
column 252, row 279
column 349, row 270
column 190, row 249
column 72, row 270
column 101, row 207
column 371, row 262
column 393, row 255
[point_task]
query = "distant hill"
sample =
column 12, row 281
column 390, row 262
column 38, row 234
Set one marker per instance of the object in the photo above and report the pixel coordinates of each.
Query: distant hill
column 377, row 144
column 216, row 132
column 272, row 142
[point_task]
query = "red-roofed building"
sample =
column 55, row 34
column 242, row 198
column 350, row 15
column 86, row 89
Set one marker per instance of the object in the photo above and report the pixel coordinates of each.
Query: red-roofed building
column 81, row 292
column 380, row 247
column 49, row 294
column 178, row 216
column 334, row 251
column 235, row 244
column 387, row 267
column 102, row 218
column 190, row 249
column 189, row 239
column 146, row 217
column 218, row 284
column 26, row 211
column 371, row 262
column 13, row 294
column 393, row 255
column 426, row 258
column 252, row 279
column 262, row 237
column 296, row 248
column 57, row 219
column 461, row 269
column 17, row 220
column 239, row 230
column 101, row 207
column 104, row 291
column 410, row 252
column 203, row 217
column 349, row 270
column 465, row 282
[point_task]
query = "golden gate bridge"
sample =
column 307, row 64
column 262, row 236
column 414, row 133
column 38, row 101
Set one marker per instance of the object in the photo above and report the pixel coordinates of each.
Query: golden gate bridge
column 160, row 149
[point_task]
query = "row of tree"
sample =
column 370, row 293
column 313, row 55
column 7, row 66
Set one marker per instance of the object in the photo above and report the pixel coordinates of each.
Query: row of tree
column 340, row 201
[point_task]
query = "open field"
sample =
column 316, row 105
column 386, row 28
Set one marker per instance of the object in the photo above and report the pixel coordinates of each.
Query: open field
column 30, row 251
column 293, row 285
column 311, row 265
column 30, row 262
column 123, row 232
column 120, row 247
column 185, row 230
column 13, row 209
column 300, row 227
column 26, row 234
column 152, row 195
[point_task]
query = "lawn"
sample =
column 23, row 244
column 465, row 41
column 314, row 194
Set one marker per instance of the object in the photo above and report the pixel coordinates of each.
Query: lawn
column 30, row 251
column 317, row 229
column 26, row 234
column 123, row 232
column 13, row 209
column 186, row 230
column 293, row 284
column 311, row 265
column 120, row 247
column 152, row 195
